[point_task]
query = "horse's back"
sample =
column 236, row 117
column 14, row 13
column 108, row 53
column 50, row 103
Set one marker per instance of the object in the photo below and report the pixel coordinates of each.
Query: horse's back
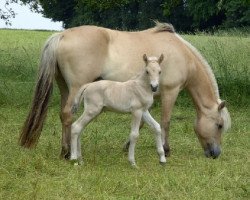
column 88, row 52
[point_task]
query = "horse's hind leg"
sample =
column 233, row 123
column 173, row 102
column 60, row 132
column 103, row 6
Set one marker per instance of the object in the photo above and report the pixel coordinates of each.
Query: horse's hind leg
column 64, row 92
column 65, row 114
column 66, row 118
column 157, row 129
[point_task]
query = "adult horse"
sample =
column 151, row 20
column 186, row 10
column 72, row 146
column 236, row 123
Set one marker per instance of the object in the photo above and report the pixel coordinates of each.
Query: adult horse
column 83, row 54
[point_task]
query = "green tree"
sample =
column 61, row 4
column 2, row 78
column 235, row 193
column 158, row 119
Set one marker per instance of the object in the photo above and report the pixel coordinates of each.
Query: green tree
column 185, row 15
column 6, row 12
column 237, row 13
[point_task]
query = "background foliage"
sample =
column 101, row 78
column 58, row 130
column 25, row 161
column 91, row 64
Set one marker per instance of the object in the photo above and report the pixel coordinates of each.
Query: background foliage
column 185, row 15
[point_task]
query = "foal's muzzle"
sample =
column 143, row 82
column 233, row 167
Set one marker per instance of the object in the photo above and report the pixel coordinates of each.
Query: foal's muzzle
column 212, row 150
column 154, row 88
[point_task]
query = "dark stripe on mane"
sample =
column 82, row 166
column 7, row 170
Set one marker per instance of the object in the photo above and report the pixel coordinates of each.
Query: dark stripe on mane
column 160, row 27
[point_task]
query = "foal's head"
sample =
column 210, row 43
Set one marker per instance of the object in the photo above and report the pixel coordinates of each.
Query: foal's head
column 209, row 128
column 153, row 70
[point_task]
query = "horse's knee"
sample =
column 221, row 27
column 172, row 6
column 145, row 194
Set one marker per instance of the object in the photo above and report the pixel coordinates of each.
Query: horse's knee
column 134, row 136
column 66, row 117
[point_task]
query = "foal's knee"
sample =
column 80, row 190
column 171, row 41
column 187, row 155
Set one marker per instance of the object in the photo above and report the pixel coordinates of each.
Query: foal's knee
column 75, row 129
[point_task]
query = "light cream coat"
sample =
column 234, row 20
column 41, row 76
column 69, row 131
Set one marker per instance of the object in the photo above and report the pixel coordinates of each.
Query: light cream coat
column 80, row 55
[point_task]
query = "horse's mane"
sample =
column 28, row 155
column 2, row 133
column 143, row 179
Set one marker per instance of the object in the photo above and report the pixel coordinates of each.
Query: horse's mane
column 160, row 27
column 224, row 113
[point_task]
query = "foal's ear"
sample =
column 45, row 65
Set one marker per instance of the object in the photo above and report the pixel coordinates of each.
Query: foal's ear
column 222, row 105
column 145, row 58
column 160, row 59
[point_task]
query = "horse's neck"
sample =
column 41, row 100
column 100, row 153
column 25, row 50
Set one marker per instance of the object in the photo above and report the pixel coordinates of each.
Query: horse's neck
column 202, row 90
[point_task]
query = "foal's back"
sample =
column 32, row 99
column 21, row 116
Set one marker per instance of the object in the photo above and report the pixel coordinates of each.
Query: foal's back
column 117, row 96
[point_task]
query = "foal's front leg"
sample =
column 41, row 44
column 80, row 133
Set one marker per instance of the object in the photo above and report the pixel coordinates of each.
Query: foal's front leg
column 157, row 129
column 136, row 119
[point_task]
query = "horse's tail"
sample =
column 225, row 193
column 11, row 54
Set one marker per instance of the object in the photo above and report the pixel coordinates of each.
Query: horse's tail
column 79, row 98
column 32, row 127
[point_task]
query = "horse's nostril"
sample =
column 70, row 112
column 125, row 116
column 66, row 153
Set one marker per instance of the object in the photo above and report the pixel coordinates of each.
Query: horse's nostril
column 212, row 151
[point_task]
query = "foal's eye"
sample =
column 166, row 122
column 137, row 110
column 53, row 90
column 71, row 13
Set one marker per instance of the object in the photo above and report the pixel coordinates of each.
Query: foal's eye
column 159, row 72
column 147, row 72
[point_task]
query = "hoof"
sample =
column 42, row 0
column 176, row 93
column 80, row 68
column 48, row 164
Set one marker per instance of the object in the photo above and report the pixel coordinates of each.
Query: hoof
column 126, row 146
column 163, row 163
column 134, row 166
column 65, row 153
column 166, row 151
column 76, row 162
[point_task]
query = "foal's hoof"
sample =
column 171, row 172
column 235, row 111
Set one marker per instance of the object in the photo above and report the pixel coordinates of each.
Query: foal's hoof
column 134, row 166
column 163, row 163
column 76, row 162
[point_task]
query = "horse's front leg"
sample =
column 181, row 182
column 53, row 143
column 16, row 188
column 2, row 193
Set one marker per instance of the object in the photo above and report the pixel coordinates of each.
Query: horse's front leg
column 157, row 129
column 168, row 98
column 134, row 134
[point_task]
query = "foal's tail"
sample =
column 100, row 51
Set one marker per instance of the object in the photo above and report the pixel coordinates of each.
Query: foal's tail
column 79, row 98
column 32, row 127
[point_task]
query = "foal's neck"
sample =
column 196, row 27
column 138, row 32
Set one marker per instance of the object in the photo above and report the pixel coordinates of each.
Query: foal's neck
column 143, row 82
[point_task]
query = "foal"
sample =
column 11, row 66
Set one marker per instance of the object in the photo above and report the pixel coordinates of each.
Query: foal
column 135, row 96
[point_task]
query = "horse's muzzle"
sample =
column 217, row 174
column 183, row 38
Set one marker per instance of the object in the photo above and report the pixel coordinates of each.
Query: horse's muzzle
column 213, row 151
column 154, row 88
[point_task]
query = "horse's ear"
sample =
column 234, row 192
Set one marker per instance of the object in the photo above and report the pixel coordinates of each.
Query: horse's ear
column 222, row 105
column 160, row 59
column 145, row 58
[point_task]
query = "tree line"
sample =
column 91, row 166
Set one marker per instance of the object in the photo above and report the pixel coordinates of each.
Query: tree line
column 185, row 15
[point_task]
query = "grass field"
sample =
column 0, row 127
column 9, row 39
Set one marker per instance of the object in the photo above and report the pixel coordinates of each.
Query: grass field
column 106, row 174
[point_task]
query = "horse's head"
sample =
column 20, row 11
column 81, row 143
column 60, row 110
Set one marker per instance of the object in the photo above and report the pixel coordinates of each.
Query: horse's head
column 153, row 70
column 209, row 127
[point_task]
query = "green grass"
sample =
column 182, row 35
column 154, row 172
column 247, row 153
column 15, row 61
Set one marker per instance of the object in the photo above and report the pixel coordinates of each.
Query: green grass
column 106, row 173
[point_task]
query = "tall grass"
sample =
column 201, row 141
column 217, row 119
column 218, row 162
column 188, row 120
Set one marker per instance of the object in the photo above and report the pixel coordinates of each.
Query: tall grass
column 20, row 52
column 229, row 59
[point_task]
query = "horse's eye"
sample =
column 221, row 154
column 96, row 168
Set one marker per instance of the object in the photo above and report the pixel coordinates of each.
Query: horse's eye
column 219, row 126
column 159, row 72
column 147, row 72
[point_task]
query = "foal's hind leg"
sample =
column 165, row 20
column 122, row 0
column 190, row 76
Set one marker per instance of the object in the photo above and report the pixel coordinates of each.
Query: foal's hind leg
column 157, row 129
column 78, row 126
